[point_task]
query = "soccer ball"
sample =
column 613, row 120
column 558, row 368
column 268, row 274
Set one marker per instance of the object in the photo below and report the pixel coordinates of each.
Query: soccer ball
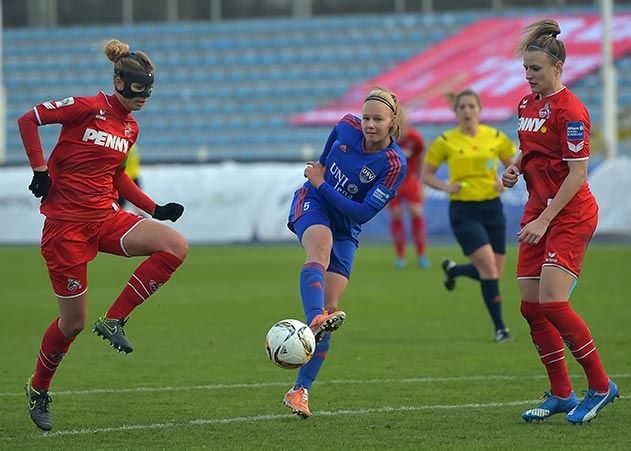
column 290, row 344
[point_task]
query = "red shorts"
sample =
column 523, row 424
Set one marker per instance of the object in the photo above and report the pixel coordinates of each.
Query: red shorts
column 67, row 248
column 563, row 245
column 410, row 191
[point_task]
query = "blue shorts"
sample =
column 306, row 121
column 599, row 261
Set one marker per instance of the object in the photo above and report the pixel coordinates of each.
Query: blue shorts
column 476, row 224
column 308, row 210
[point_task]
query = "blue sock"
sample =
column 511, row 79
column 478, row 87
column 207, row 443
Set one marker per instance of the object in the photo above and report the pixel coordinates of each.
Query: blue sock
column 312, row 289
column 493, row 301
column 308, row 373
column 465, row 270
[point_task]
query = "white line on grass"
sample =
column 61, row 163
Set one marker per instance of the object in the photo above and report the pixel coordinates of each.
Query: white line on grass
column 411, row 380
column 256, row 418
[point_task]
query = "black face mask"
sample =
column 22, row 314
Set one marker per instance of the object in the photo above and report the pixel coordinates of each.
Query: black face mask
column 130, row 77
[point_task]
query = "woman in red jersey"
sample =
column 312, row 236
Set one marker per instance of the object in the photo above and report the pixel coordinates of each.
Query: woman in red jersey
column 559, row 220
column 79, row 187
column 411, row 190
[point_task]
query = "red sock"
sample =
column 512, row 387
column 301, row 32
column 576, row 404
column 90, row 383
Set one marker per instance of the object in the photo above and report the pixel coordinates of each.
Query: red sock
column 54, row 346
column 398, row 236
column 150, row 275
column 418, row 232
column 579, row 340
column 549, row 345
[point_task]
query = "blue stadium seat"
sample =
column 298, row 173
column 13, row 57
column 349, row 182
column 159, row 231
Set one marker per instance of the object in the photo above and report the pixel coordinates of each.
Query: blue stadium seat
column 233, row 86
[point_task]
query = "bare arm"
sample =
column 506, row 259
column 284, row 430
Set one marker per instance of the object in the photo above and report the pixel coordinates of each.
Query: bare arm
column 430, row 179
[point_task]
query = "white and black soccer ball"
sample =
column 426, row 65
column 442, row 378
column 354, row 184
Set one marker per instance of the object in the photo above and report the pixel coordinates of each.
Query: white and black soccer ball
column 290, row 343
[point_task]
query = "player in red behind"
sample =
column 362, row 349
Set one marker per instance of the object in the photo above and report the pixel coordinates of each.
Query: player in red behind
column 79, row 187
column 559, row 220
column 411, row 190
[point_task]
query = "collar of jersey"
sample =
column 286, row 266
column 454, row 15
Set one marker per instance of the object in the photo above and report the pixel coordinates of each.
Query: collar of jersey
column 116, row 105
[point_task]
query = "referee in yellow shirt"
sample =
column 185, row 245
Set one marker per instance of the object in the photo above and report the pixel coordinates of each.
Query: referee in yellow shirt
column 132, row 169
column 472, row 152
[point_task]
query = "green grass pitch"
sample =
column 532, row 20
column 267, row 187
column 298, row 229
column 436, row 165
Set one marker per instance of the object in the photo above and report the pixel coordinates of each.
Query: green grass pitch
column 414, row 366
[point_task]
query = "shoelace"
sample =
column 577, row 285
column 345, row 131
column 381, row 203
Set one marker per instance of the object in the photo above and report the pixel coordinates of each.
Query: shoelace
column 588, row 395
column 42, row 402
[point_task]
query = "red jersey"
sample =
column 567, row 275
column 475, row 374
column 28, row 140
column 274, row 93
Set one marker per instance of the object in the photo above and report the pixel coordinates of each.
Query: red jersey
column 552, row 131
column 413, row 147
column 96, row 134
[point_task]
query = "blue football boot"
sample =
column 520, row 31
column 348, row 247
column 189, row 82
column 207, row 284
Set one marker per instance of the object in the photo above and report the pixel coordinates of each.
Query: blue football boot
column 592, row 404
column 550, row 406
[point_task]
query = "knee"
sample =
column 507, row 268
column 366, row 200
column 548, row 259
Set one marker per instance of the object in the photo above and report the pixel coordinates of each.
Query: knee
column 178, row 246
column 320, row 254
column 531, row 311
column 487, row 269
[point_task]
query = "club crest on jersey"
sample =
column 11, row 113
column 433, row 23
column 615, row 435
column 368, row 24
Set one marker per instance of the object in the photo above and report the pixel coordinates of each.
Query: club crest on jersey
column 343, row 147
column 544, row 113
column 73, row 284
column 127, row 129
column 366, row 175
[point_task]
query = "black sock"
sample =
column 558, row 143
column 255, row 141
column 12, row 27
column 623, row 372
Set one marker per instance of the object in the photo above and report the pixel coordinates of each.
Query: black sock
column 493, row 301
column 465, row 270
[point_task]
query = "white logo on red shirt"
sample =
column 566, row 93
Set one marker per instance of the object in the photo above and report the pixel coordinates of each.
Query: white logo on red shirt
column 530, row 124
column 106, row 140
column 576, row 148
column 65, row 102
column 545, row 112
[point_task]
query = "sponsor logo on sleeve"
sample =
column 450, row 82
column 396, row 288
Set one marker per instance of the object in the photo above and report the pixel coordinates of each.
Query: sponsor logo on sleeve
column 380, row 196
column 575, row 131
column 65, row 102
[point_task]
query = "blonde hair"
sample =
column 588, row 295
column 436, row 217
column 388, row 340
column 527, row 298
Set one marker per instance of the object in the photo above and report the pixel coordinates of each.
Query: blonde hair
column 118, row 53
column 388, row 98
column 542, row 36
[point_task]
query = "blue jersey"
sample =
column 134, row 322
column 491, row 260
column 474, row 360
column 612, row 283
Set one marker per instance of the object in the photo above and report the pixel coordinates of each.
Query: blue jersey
column 358, row 184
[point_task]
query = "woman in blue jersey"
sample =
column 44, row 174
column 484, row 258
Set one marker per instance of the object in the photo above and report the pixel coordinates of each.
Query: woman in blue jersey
column 357, row 174
column 472, row 152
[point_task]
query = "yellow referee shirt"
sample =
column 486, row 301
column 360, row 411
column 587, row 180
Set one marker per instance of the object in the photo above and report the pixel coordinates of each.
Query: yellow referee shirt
column 132, row 163
column 472, row 160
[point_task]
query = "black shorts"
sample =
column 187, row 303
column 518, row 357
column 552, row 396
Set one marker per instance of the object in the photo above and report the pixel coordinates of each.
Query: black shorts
column 478, row 223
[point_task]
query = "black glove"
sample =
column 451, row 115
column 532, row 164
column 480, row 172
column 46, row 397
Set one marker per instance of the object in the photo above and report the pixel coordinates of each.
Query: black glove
column 170, row 211
column 40, row 184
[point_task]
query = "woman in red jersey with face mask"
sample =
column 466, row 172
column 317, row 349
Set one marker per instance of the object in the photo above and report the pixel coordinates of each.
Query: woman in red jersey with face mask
column 79, row 186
